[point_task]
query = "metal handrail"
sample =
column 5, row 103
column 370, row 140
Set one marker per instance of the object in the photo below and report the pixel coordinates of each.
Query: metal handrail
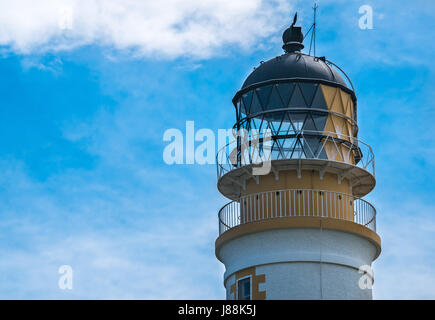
column 296, row 203
column 366, row 158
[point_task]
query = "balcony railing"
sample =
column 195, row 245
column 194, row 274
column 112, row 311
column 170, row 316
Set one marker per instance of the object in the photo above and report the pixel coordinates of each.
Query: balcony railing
column 304, row 144
column 296, row 203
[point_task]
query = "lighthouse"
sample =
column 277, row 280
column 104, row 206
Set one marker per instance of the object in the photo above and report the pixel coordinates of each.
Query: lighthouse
column 301, row 229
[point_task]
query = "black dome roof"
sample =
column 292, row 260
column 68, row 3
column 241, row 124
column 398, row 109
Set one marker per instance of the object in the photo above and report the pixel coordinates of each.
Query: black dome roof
column 294, row 65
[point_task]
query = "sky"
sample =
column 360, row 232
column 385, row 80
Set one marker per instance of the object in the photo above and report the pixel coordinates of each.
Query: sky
column 88, row 88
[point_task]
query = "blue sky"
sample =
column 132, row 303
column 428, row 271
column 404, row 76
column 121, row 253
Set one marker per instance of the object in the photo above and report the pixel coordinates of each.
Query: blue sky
column 83, row 112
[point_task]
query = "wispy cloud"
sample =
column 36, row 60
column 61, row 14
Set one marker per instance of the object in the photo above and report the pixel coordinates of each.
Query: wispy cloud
column 50, row 64
column 130, row 227
column 400, row 35
column 405, row 268
column 121, row 241
column 167, row 263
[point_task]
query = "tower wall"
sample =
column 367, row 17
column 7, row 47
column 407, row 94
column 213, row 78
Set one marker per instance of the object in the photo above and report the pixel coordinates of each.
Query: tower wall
column 299, row 263
column 309, row 179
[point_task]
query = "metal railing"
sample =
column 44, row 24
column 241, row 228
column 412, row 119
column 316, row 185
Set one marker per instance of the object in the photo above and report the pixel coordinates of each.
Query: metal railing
column 296, row 203
column 304, row 144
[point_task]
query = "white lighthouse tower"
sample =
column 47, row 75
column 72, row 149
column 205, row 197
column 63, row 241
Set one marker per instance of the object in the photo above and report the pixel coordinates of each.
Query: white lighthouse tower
column 302, row 231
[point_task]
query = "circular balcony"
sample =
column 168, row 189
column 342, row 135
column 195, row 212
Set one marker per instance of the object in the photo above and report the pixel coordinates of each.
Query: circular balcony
column 305, row 203
column 346, row 156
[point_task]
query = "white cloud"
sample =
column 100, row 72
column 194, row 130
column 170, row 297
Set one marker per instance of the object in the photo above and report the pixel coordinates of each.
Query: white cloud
column 168, row 28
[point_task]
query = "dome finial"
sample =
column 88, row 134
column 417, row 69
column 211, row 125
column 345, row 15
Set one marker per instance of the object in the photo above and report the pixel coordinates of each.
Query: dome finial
column 293, row 37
